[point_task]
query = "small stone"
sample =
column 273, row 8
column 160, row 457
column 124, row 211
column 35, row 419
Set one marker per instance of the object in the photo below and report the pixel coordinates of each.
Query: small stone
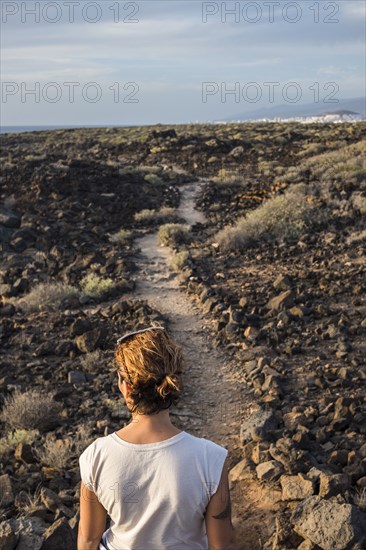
column 240, row 471
column 339, row 456
column 282, row 300
column 76, row 377
column 251, row 333
column 269, row 471
column 333, row 484
column 53, row 502
column 282, row 282
column 296, row 311
column 24, row 453
column 90, row 341
column 79, row 327
column 60, row 536
column 260, row 453
column 296, row 487
column 8, row 539
column 9, row 218
column 6, row 491
column 257, row 425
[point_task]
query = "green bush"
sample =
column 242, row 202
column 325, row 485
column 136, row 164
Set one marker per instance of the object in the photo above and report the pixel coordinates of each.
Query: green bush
column 12, row 439
column 286, row 215
column 96, row 287
column 173, row 234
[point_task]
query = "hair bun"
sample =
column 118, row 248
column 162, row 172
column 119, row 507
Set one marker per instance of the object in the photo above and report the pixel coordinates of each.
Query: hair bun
column 162, row 377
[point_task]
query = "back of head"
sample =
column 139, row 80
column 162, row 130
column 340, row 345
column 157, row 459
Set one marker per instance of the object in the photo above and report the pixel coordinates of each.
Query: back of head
column 152, row 362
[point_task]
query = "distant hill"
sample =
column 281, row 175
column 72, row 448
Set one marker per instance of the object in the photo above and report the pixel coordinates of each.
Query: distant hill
column 355, row 105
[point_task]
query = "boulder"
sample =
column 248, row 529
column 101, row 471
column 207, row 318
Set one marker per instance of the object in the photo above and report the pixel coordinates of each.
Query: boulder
column 8, row 539
column 60, row 536
column 257, row 425
column 91, row 340
column 331, row 524
column 9, row 218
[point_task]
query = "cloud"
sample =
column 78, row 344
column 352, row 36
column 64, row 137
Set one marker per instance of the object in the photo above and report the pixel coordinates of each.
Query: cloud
column 170, row 51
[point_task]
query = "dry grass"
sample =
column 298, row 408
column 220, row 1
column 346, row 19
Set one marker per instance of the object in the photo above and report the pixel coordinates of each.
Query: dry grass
column 30, row 410
column 284, row 216
column 91, row 362
column 346, row 164
column 46, row 296
column 122, row 237
column 359, row 202
column 27, row 503
column 58, row 452
column 164, row 215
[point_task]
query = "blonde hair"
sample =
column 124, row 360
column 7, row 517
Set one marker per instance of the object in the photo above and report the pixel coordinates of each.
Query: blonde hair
column 152, row 363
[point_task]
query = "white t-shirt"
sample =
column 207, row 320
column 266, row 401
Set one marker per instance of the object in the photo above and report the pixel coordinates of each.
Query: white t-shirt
column 156, row 494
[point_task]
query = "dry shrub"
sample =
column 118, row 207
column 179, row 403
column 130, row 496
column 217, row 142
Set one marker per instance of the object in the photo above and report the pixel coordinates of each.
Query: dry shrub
column 174, row 234
column 178, row 261
column 357, row 238
column 284, row 216
column 58, row 452
column 91, row 361
column 47, row 295
column 359, row 203
column 30, row 410
column 121, row 237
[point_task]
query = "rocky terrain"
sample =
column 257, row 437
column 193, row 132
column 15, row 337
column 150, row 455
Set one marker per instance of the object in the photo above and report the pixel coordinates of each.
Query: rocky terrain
column 285, row 308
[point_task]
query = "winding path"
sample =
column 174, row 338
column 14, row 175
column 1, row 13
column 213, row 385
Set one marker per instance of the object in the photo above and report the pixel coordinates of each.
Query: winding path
column 214, row 396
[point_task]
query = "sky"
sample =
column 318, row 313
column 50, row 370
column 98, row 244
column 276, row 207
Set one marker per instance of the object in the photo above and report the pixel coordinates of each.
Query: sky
column 145, row 62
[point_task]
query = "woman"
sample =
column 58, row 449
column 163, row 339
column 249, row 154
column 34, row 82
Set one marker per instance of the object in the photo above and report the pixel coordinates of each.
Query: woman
column 162, row 487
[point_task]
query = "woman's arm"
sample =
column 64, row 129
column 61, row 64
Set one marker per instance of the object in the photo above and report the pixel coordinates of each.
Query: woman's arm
column 92, row 520
column 220, row 531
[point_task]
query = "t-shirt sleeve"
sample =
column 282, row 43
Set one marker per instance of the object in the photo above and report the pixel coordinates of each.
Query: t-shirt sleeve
column 218, row 456
column 86, row 467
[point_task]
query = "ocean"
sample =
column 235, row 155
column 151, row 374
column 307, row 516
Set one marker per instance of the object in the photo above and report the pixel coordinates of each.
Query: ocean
column 19, row 129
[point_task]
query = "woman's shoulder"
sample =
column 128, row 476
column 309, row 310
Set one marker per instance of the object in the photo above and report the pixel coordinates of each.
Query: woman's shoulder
column 97, row 445
column 206, row 443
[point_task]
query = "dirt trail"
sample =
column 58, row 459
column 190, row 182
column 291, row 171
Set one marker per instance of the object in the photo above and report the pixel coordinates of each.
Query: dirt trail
column 214, row 394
